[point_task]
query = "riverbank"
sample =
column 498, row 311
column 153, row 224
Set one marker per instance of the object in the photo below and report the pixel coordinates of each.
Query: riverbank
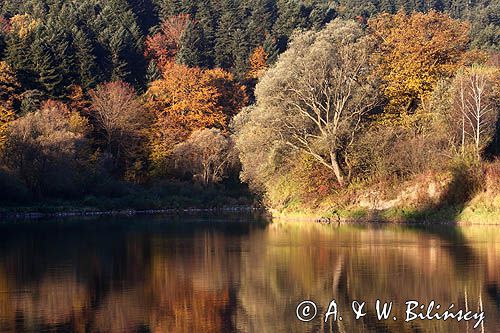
column 444, row 198
column 125, row 212
column 131, row 200
column 447, row 216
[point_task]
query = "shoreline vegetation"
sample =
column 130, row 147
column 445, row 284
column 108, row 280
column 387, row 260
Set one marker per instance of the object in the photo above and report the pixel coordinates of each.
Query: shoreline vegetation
column 383, row 111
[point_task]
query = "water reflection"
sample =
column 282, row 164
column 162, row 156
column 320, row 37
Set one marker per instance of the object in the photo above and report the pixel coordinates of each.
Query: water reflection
column 157, row 275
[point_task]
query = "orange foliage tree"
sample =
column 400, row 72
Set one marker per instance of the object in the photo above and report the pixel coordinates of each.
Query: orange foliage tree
column 258, row 63
column 187, row 99
column 162, row 47
column 413, row 52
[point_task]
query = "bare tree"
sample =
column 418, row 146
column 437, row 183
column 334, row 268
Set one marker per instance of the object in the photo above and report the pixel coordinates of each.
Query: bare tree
column 119, row 116
column 319, row 92
column 207, row 154
column 475, row 106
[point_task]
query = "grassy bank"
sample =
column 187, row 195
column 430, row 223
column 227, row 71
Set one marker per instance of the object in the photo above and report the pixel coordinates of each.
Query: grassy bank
column 454, row 197
column 476, row 212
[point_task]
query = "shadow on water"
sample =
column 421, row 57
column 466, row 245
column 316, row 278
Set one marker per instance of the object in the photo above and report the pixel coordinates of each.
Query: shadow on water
column 460, row 191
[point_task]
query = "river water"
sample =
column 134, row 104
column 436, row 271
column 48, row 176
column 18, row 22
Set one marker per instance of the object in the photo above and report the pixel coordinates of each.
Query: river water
column 239, row 274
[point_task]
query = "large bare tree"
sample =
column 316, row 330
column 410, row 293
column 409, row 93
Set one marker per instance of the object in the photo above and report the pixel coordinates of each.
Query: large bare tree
column 319, row 92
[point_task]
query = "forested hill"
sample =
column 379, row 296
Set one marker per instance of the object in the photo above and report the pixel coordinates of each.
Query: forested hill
column 92, row 41
column 152, row 102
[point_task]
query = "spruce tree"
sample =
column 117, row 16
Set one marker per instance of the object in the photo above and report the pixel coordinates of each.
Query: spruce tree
column 191, row 49
column 386, row 6
column 225, row 35
column 45, row 66
column 85, row 60
column 206, row 22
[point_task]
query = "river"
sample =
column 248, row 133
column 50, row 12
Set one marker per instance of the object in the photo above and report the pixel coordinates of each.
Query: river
column 238, row 273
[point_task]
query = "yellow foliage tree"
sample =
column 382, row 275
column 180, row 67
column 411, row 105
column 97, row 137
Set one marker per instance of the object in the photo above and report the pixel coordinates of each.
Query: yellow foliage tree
column 23, row 24
column 413, row 52
column 8, row 95
column 6, row 116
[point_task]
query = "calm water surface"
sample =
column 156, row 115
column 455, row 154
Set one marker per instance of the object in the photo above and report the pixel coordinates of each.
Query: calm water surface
column 237, row 274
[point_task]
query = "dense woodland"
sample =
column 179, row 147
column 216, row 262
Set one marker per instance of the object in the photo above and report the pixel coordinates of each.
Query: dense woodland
column 158, row 99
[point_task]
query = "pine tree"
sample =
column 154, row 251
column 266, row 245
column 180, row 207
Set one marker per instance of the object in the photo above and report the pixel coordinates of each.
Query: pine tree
column 260, row 21
column 191, row 49
column 18, row 56
column 206, row 21
column 85, row 60
column 271, row 49
column 225, row 35
column 289, row 18
column 146, row 14
column 119, row 70
column 321, row 13
column 169, row 8
column 240, row 53
column 45, row 66
column 152, row 72
column 386, row 6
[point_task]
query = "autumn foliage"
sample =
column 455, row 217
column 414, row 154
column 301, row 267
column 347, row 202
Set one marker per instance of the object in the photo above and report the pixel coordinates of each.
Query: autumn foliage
column 162, row 47
column 258, row 63
column 334, row 103
column 9, row 88
column 413, row 52
column 23, row 24
column 187, row 99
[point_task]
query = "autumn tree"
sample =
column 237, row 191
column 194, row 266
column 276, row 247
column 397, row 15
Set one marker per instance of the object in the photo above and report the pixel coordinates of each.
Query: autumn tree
column 163, row 46
column 413, row 52
column 23, row 24
column 187, row 99
column 475, row 108
column 207, row 154
column 9, row 90
column 314, row 99
column 258, row 63
column 119, row 118
column 43, row 148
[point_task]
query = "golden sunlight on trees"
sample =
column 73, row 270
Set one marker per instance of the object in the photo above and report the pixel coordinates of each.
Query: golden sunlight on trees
column 23, row 24
column 42, row 147
column 8, row 83
column 6, row 116
column 207, row 154
column 120, row 119
column 475, row 106
column 187, row 99
column 315, row 98
column 9, row 87
column 413, row 52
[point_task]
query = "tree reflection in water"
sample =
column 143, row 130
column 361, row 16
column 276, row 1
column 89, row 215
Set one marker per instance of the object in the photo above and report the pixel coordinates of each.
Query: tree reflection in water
column 153, row 275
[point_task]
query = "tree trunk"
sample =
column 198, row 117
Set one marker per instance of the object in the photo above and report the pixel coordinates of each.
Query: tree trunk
column 336, row 169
